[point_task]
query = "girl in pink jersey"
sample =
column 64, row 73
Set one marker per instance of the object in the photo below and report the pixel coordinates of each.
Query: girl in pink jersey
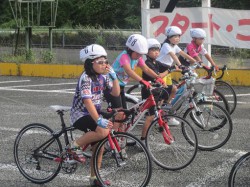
column 196, row 48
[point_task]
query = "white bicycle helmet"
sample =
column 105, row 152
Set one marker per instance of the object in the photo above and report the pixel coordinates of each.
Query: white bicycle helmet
column 91, row 52
column 137, row 43
column 197, row 33
column 153, row 43
column 173, row 30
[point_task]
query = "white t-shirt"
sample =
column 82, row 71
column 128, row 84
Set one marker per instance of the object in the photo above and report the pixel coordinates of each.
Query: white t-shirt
column 164, row 56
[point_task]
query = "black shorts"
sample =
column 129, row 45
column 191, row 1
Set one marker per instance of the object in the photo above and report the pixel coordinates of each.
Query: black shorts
column 184, row 61
column 158, row 93
column 85, row 123
column 116, row 102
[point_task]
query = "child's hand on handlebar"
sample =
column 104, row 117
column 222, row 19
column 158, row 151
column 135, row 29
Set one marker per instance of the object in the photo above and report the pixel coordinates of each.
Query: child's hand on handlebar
column 145, row 83
column 159, row 80
column 104, row 123
column 216, row 68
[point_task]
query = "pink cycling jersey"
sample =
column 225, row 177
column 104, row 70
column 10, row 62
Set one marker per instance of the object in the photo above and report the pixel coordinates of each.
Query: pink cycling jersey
column 194, row 50
column 120, row 61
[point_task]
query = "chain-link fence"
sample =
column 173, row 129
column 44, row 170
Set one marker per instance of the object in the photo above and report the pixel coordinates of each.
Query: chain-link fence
column 68, row 42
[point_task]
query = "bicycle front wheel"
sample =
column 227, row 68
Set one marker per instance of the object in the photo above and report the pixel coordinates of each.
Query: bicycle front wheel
column 134, row 170
column 35, row 151
column 179, row 153
column 212, row 124
column 239, row 175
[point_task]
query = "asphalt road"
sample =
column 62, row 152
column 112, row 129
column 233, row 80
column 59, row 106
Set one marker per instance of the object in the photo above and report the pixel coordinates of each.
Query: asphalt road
column 25, row 100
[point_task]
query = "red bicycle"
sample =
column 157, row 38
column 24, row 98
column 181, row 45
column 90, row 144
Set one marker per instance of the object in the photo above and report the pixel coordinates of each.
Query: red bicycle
column 169, row 147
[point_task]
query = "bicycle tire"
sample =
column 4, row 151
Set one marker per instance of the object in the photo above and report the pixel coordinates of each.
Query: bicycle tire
column 135, row 170
column 218, row 121
column 239, row 174
column 227, row 90
column 34, row 166
column 178, row 154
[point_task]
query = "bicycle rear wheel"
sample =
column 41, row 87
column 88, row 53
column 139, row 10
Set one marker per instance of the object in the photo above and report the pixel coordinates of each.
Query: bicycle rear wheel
column 239, row 175
column 176, row 155
column 229, row 93
column 35, row 158
column 135, row 170
column 212, row 124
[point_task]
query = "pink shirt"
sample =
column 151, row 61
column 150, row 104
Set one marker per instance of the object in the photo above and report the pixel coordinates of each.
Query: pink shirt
column 120, row 61
column 194, row 50
column 125, row 59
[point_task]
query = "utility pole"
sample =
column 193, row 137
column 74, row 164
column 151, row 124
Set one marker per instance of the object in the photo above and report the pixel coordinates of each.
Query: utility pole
column 207, row 4
column 145, row 5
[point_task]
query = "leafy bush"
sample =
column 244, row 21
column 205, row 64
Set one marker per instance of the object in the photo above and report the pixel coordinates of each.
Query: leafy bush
column 47, row 57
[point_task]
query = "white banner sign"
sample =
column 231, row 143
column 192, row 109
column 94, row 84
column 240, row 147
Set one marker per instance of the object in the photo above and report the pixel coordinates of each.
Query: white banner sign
column 224, row 27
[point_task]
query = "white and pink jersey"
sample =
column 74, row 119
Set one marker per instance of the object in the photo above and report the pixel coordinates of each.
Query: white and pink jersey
column 194, row 50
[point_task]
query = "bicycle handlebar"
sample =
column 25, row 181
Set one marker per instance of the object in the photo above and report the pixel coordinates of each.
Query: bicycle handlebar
column 153, row 85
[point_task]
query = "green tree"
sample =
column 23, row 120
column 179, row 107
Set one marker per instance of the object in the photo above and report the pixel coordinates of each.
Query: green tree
column 106, row 13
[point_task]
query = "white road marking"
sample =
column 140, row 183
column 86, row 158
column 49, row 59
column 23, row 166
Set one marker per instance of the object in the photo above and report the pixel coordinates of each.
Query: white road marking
column 40, row 91
column 216, row 173
column 3, row 82
column 37, row 85
column 239, row 95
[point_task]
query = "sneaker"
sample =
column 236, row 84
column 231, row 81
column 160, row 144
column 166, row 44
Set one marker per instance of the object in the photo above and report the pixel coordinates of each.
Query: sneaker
column 124, row 154
column 96, row 183
column 77, row 153
column 173, row 122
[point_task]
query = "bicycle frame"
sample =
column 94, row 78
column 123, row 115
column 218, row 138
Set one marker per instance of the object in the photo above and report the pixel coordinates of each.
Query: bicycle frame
column 142, row 107
column 188, row 94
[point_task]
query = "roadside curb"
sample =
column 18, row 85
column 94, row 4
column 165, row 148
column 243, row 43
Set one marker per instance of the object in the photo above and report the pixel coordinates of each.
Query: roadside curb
column 234, row 76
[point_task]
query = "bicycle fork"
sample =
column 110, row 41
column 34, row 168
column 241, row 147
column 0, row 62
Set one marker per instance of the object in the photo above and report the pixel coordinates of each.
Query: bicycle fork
column 198, row 113
column 114, row 145
column 164, row 129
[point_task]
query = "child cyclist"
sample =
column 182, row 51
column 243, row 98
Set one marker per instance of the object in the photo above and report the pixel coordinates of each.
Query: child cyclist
column 87, row 102
column 124, row 66
column 196, row 48
column 169, row 50
column 168, row 56
column 168, row 93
